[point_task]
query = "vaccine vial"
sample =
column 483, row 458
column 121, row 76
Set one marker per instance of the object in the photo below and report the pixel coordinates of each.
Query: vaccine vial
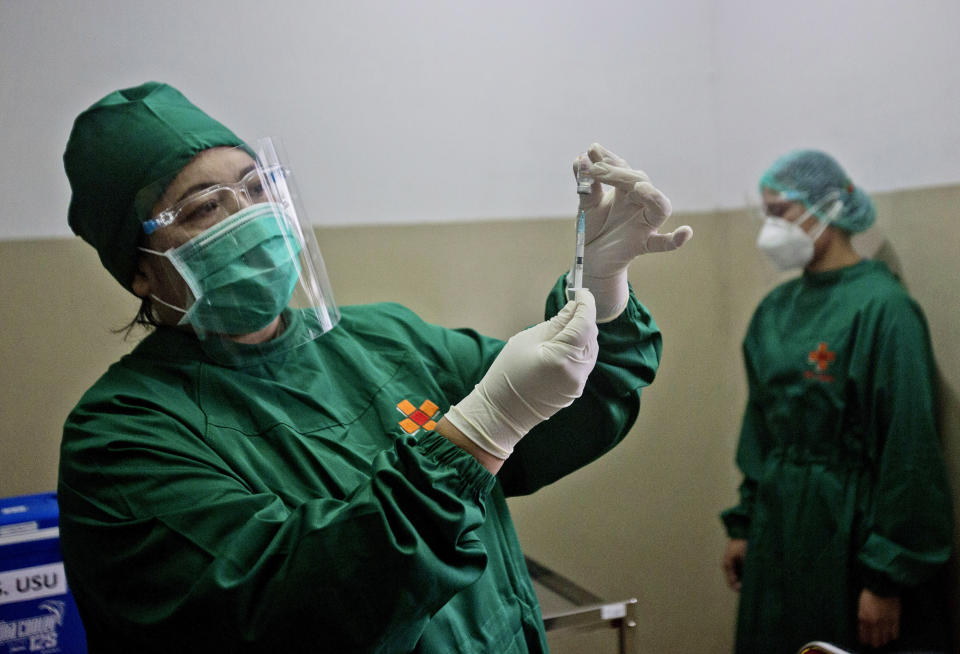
column 584, row 180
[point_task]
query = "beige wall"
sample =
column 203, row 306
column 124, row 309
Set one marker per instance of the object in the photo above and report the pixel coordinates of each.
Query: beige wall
column 641, row 522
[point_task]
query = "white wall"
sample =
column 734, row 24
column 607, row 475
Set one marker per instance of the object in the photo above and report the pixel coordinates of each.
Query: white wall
column 437, row 110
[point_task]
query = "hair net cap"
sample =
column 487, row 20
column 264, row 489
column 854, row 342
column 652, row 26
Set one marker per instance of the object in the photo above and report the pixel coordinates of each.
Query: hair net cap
column 810, row 176
column 129, row 140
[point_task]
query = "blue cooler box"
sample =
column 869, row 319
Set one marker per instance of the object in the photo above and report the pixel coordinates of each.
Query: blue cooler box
column 37, row 611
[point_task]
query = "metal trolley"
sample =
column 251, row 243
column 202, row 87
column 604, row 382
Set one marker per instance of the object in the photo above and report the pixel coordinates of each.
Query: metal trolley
column 571, row 610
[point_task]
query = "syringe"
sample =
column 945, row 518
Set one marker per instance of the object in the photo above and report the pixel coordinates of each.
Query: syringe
column 584, row 182
column 578, row 253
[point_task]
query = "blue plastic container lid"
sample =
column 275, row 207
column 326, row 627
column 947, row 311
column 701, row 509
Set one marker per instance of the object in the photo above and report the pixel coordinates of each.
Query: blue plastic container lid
column 28, row 517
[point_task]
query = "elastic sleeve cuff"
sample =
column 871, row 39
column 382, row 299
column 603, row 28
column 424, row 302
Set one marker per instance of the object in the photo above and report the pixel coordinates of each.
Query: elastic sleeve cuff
column 631, row 312
column 475, row 480
column 630, row 344
column 736, row 524
column 610, row 293
column 879, row 583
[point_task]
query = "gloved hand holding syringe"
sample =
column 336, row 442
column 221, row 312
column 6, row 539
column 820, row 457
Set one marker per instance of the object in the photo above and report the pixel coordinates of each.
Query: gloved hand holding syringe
column 614, row 227
column 545, row 368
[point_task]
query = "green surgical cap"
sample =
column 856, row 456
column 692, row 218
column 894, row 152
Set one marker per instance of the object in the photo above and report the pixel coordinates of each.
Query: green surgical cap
column 130, row 140
column 809, row 176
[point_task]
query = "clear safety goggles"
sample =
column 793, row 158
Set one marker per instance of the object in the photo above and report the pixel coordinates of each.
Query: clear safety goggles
column 215, row 203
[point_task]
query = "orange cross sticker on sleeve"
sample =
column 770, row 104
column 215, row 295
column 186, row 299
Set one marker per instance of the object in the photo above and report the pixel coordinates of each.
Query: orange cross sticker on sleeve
column 416, row 419
column 821, row 357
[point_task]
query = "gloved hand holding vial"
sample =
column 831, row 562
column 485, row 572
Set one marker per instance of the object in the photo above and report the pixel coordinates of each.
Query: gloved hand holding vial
column 615, row 226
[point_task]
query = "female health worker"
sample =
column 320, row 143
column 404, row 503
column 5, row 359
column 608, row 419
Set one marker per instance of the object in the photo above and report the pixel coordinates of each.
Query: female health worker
column 266, row 471
column 844, row 519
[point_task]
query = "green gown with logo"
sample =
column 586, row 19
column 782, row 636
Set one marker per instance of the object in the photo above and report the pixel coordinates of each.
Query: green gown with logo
column 844, row 485
column 296, row 500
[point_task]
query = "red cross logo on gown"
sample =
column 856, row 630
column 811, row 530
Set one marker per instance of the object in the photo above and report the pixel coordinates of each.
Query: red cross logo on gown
column 821, row 357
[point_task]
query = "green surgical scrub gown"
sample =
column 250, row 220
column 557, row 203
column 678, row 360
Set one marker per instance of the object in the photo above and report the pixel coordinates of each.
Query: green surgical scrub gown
column 844, row 485
column 280, row 503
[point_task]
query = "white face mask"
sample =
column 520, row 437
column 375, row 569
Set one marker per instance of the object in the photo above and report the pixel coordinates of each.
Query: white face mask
column 787, row 245
column 785, row 242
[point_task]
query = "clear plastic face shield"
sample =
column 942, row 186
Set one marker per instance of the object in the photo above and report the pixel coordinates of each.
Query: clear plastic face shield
column 782, row 237
column 233, row 256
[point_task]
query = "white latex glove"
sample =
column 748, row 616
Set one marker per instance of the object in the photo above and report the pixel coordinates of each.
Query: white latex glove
column 539, row 371
column 621, row 224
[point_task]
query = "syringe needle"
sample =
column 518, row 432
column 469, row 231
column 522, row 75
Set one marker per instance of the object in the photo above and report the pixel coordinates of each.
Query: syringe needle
column 578, row 253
